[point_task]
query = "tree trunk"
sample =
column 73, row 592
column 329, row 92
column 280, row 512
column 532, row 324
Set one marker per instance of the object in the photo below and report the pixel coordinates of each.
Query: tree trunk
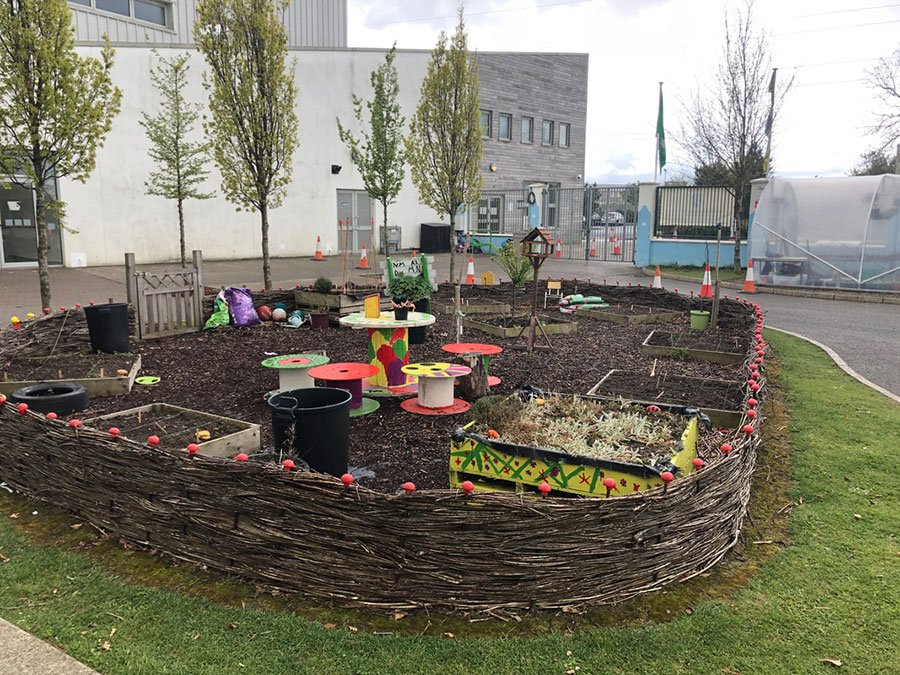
column 383, row 238
column 43, row 246
column 475, row 384
column 181, row 230
column 452, row 246
column 738, row 207
column 264, row 222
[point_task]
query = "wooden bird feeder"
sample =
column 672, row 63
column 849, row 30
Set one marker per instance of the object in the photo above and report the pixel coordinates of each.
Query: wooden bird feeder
column 537, row 246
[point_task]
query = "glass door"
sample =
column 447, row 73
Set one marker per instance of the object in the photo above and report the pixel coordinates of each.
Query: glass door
column 18, row 227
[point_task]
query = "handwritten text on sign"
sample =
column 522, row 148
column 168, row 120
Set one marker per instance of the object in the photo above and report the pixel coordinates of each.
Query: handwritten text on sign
column 411, row 267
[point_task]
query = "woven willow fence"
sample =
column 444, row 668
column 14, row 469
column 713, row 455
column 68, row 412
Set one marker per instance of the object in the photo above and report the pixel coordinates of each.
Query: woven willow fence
column 307, row 533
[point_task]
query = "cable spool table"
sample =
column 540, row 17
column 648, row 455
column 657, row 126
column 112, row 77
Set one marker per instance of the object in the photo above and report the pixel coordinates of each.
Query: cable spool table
column 348, row 376
column 436, row 382
column 293, row 370
column 388, row 345
column 485, row 350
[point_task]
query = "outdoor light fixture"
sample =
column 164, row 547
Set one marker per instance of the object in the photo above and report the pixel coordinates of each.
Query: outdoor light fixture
column 493, row 167
column 336, row 169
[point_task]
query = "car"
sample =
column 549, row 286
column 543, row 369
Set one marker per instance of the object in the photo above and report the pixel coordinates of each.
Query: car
column 608, row 218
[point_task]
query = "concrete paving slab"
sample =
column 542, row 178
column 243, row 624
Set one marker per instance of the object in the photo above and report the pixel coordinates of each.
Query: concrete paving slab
column 22, row 653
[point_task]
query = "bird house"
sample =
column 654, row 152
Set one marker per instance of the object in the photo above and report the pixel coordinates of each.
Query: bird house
column 538, row 244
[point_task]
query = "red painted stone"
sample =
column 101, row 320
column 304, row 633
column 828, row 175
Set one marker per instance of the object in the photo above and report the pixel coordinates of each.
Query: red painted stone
column 467, row 486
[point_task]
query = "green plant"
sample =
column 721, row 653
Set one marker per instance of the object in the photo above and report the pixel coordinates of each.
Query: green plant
column 407, row 289
column 517, row 266
column 680, row 354
column 322, row 285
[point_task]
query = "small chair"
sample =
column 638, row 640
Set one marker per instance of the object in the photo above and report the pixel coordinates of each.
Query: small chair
column 554, row 290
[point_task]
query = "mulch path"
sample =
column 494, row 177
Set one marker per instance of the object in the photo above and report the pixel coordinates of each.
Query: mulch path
column 219, row 371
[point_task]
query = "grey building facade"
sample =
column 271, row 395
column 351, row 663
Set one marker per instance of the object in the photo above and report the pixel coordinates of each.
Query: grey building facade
column 310, row 23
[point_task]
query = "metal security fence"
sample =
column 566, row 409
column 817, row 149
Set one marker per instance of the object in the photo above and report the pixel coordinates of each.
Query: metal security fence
column 688, row 212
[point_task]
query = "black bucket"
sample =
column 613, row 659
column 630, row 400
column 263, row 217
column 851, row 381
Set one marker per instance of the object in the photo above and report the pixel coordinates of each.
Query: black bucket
column 401, row 313
column 108, row 327
column 320, row 418
column 417, row 334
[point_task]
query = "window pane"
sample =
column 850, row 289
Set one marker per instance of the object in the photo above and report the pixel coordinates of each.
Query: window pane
column 547, row 133
column 115, row 6
column 147, row 11
column 527, row 130
column 86, row 3
column 505, row 127
column 564, row 135
column 485, row 124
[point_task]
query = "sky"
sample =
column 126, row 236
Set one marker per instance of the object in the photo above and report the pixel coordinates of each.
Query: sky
column 825, row 45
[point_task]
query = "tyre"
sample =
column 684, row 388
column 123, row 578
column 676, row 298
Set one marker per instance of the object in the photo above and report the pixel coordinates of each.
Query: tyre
column 62, row 398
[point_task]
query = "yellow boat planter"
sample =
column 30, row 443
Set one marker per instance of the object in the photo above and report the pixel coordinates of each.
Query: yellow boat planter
column 494, row 465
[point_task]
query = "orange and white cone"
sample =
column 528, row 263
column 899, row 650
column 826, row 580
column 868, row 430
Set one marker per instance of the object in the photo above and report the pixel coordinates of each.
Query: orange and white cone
column 318, row 255
column 750, row 282
column 617, row 250
column 706, row 288
column 593, row 248
column 470, row 272
column 363, row 260
column 657, row 279
column 558, row 248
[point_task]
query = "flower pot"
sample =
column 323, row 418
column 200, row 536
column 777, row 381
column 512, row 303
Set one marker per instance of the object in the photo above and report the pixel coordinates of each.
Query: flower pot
column 318, row 320
column 699, row 319
column 418, row 334
column 401, row 313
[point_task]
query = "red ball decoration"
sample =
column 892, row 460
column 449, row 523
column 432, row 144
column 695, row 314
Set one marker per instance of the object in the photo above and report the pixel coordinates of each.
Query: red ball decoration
column 750, row 383
column 652, row 408
column 51, row 416
column 153, row 441
column 62, row 309
column 609, row 484
column 747, row 429
column 192, row 449
column 753, row 366
column 347, row 479
column 752, row 402
column 754, row 375
column 544, row 488
column 667, row 477
column 758, row 359
column 113, row 432
column 754, row 387
column 2, row 399
column 242, row 457
column 752, row 413
column 280, row 288
column 92, row 303
column 287, row 464
column 75, row 423
column 698, row 463
column 77, row 305
column 726, row 448
column 409, row 486
column 46, row 310
column 467, row 486
column 21, row 408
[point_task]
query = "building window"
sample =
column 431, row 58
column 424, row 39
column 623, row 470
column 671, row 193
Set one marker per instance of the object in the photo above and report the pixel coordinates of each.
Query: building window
column 564, row 135
column 505, row 131
column 151, row 11
column 485, row 124
column 528, row 130
column 547, row 133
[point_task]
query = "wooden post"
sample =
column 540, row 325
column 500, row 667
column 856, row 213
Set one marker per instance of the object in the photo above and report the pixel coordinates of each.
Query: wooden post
column 198, row 287
column 129, row 278
column 474, row 385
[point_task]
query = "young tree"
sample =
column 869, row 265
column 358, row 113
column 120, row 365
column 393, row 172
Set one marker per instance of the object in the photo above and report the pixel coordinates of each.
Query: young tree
column 181, row 161
column 444, row 146
column 874, row 163
column 884, row 79
column 379, row 154
column 726, row 124
column 55, row 107
column 253, row 124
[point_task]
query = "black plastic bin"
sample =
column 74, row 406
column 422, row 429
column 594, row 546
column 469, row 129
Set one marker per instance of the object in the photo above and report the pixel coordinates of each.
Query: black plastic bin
column 434, row 238
column 320, row 418
column 108, row 327
column 417, row 334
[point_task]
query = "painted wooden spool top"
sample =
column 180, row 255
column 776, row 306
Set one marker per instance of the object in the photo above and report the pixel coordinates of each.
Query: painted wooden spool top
column 437, row 369
column 339, row 372
column 464, row 347
column 387, row 320
column 295, row 361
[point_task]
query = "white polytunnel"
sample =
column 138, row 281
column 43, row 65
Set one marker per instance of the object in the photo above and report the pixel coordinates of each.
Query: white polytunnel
column 828, row 232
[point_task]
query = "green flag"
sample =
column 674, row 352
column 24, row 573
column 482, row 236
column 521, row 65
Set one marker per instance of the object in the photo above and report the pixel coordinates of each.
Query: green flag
column 660, row 133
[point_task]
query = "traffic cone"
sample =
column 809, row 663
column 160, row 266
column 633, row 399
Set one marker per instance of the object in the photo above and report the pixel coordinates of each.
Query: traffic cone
column 470, row 272
column 750, row 282
column 558, row 248
column 706, row 288
column 657, row 279
column 318, row 255
column 617, row 250
column 593, row 247
column 363, row 260
column 414, row 253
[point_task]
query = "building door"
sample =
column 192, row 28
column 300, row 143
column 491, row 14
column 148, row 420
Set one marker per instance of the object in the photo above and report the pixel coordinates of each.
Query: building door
column 355, row 220
column 18, row 228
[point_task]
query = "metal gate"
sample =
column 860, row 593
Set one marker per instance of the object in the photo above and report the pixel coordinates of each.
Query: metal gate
column 166, row 302
column 589, row 223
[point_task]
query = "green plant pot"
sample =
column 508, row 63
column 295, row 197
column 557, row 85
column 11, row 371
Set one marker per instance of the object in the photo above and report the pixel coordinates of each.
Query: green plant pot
column 699, row 319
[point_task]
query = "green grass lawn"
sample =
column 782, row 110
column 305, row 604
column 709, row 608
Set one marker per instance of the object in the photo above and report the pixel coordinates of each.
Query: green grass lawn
column 831, row 593
column 726, row 272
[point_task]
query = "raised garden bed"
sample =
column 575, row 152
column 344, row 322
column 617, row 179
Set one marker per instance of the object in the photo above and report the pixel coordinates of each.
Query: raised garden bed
column 572, row 444
column 97, row 372
column 480, row 306
column 697, row 345
column 506, row 326
column 176, row 427
column 629, row 314
column 720, row 400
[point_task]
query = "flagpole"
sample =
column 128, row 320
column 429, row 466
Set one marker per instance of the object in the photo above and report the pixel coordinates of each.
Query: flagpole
column 656, row 141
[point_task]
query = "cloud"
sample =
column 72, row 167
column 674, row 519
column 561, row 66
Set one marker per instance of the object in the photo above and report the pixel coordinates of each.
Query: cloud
column 436, row 15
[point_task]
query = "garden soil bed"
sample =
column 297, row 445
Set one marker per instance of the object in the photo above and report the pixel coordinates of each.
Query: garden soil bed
column 220, row 371
column 630, row 314
column 704, row 345
column 97, row 372
column 506, row 326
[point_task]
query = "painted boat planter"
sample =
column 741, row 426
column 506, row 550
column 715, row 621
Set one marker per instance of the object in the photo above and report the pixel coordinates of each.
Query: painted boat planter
column 557, row 328
column 721, row 418
column 495, row 466
column 610, row 314
column 478, row 307
column 725, row 358
column 245, row 437
column 96, row 386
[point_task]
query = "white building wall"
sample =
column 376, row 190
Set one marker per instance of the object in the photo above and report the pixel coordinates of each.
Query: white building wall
column 111, row 214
